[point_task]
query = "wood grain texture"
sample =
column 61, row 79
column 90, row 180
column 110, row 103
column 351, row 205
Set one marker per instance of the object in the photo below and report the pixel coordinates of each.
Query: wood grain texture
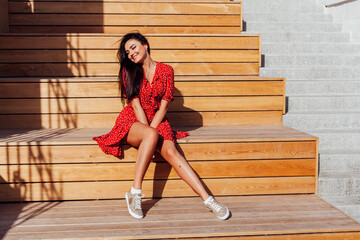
column 155, row 188
column 161, row 170
column 123, row 20
column 103, row 120
column 64, row 152
column 96, row 41
column 211, row 134
column 56, row 88
column 135, row 7
column 295, row 217
column 111, row 69
column 109, row 56
column 114, row 105
column 124, row 30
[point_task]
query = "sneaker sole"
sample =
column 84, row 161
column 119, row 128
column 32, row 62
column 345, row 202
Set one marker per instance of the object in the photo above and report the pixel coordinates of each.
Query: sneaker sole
column 131, row 212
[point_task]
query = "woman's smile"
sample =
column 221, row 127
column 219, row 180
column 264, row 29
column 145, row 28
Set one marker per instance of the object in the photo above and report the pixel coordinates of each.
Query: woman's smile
column 135, row 51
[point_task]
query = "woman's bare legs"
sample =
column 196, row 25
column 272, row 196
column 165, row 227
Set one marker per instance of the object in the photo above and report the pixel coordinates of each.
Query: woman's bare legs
column 145, row 138
column 173, row 157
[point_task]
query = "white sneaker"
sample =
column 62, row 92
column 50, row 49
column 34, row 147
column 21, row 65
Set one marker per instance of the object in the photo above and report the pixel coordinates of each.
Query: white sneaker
column 220, row 210
column 134, row 205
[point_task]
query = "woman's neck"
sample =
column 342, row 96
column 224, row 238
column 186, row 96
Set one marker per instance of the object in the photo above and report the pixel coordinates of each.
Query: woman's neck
column 148, row 66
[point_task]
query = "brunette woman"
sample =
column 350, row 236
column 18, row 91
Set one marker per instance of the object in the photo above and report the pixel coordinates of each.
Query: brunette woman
column 148, row 87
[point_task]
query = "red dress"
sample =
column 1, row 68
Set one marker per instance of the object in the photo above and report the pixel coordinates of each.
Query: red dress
column 150, row 96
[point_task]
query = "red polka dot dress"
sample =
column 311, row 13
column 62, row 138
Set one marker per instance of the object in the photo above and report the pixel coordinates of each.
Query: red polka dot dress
column 162, row 88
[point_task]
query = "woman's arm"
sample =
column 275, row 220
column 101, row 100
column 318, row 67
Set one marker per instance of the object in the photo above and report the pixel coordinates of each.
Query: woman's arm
column 139, row 111
column 166, row 99
column 160, row 114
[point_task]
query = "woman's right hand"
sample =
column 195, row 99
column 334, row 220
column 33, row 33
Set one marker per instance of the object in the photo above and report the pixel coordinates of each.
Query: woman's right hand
column 139, row 111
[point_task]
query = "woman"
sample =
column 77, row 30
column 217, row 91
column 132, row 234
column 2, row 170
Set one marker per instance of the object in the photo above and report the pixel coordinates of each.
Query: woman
column 148, row 87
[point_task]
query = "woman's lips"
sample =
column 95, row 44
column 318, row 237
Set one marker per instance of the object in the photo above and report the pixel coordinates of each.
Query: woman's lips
column 135, row 56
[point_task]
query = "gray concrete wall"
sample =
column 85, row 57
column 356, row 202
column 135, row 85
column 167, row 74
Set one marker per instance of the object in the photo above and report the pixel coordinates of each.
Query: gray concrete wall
column 346, row 12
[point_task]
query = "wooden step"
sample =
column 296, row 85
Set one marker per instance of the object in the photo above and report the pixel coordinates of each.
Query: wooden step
column 290, row 217
column 111, row 41
column 113, row 17
column 94, row 55
column 199, row 101
column 63, row 164
column 111, row 69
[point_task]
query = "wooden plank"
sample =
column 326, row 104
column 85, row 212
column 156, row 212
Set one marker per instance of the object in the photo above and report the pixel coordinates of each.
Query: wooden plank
column 123, row 20
column 114, row 105
column 311, row 236
column 34, row 153
column 272, row 208
column 87, row 41
column 168, row 55
column 247, row 205
column 111, row 69
column 136, row 7
column 156, row 188
column 66, row 89
column 103, row 120
column 161, row 170
column 171, row 229
column 4, row 16
column 200, row 223
column 215, row 134
column 182, row 214
column 205, row 78
column 124, row 30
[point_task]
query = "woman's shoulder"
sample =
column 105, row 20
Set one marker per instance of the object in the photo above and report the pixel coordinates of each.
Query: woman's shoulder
column 165, row 67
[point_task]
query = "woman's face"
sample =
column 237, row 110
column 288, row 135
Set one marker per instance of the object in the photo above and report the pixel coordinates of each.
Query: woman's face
column 135, row 51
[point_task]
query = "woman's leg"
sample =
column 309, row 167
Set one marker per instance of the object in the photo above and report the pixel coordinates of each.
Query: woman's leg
column 182, row 167
column 173, row 157
column 145, row 138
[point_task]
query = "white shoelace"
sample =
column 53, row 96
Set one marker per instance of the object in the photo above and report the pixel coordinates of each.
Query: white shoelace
column 214, row 205
column 137, row 201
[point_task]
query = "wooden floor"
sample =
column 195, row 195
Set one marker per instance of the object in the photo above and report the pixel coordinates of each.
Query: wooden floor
column 253, row 217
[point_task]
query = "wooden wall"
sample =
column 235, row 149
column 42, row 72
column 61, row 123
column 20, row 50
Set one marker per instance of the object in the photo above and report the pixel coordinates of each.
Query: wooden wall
column 61, row 16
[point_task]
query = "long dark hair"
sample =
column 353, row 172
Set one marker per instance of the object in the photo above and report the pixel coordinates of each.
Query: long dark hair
column 134, row 73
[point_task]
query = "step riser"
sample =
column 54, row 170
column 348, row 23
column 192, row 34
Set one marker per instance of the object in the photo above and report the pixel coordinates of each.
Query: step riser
column 280, row 6
column 156, row 189
column 339, row 187
column 306, row 48
column 337, row 140
column 270, row 37
column 307, row 121
column 331, row 87
column 82, row 171
column 311, row 73
column 343, row 162
column 269, row 17
column 292, row 27
column 104, row 120
column 295, row 61
column 309, row 103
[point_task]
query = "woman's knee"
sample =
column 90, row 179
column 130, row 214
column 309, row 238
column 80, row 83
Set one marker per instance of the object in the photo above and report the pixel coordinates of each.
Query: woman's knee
column 151, row 134
column 171, row 152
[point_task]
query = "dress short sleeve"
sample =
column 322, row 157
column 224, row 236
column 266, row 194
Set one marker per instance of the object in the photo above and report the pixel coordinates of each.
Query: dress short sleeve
column 170, row 88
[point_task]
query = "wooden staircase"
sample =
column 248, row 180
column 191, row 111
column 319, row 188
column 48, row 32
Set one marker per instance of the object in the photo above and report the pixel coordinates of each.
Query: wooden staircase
column 58, row 89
